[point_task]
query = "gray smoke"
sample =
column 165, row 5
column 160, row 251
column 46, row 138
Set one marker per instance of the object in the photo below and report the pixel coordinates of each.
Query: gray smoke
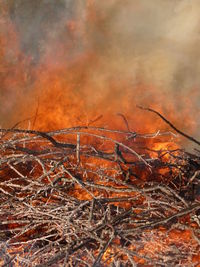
column 155, row 40
column 153, row 43
column 37, row 20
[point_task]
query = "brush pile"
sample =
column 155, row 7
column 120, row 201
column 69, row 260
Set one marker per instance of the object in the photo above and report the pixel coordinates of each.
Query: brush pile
column 89, row 196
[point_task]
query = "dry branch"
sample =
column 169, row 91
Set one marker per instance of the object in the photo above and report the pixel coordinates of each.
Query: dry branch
column 89, row 196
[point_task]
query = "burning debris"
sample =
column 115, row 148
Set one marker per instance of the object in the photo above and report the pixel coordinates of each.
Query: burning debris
column 91, row 196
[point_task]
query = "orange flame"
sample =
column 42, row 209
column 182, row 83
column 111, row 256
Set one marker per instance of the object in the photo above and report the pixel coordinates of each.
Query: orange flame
column 75, row 81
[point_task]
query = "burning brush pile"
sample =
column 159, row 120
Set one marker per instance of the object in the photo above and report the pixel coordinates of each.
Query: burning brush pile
column 90, row 196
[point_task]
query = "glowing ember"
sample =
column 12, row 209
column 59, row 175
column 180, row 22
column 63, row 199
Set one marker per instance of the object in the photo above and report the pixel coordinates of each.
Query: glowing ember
column 62, row 193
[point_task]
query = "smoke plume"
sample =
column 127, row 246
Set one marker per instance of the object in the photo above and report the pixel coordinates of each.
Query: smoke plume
column 69, row 61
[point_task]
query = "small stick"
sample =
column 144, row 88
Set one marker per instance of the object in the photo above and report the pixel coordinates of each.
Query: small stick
column 101, row 253
column 125, row 120
column 192, row 139
column 92, row 209
column 177, row 215
column 78, row 149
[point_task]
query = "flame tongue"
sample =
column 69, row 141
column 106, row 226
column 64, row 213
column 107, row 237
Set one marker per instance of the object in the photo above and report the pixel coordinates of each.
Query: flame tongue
column 78, row 73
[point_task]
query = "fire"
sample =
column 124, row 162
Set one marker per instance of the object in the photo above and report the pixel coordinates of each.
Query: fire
column 109, row 184
column 164, row 149
column 75, row 80
column 111, row 196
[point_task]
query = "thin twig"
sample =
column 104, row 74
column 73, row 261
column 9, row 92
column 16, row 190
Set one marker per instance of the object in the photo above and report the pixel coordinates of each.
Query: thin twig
column 171, row 125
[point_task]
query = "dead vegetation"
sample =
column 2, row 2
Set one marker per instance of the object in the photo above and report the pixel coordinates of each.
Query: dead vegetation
column 89, row 196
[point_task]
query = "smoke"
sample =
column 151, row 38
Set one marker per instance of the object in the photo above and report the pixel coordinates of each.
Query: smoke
column 114, row 54
column 154, row 41
column 37, row 21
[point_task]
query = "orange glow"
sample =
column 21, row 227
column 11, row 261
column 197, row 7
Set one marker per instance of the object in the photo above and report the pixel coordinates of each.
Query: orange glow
column 77, row 82
column 70, row 87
